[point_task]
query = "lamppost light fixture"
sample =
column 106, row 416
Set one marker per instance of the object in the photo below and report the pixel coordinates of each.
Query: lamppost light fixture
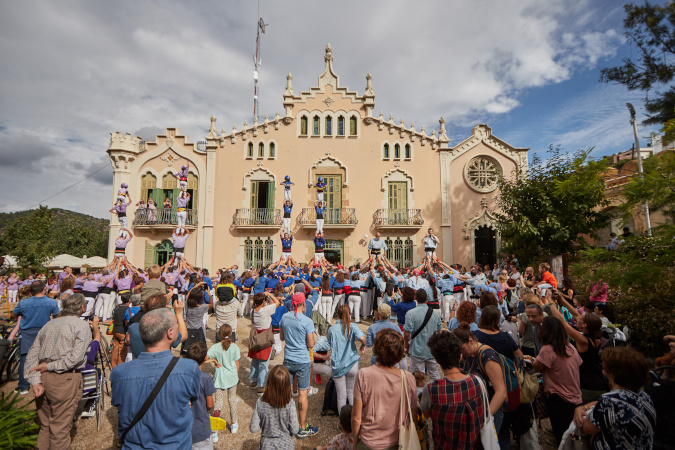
column 631, row 109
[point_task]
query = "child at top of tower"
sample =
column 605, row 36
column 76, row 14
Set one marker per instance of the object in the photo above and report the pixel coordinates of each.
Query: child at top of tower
column 287, row 183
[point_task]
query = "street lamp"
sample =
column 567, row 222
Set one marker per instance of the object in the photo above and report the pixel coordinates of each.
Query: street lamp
column 639, row 159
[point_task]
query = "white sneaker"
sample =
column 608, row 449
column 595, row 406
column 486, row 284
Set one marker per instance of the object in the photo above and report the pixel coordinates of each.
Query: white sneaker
column 234, row 428
column 312, row 391
column 214, row 436
column 295, row 394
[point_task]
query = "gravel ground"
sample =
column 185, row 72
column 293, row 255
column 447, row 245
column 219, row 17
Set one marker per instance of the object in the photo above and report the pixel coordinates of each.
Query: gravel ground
column 86, row 436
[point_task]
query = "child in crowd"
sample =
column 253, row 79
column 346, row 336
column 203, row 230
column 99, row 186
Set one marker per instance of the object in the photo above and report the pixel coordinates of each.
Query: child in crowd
column 344, row 440
column 420, row 382
column 201, row 421
column 275, row 412
column 226, row 356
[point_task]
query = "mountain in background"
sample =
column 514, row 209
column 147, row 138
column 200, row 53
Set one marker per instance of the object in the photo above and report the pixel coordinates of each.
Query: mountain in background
column 70, row 232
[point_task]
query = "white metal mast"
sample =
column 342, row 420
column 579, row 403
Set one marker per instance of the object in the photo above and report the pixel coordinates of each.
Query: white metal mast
column 257, row 62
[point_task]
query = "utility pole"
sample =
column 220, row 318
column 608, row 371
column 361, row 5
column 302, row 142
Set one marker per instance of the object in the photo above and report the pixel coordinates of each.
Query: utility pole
column 257, row 61
column 648, row 221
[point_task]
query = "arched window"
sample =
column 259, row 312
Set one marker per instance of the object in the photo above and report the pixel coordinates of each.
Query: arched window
column 148, row 184
column 261, row 150
column 397, row 151
column 386, row 151
column 303, row 125
column 315, row 128
column 273, row 152
column 341, row 126
column 352, row 126
column 329, row 126
column 249, row 153
column 407, row 151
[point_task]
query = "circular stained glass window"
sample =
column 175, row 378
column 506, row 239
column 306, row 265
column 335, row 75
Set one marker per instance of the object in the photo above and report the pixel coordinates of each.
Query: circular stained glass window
column 482, row 173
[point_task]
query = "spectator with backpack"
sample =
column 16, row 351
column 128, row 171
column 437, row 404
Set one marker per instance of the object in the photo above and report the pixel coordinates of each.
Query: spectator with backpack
column 420, row 324
column 484, row 361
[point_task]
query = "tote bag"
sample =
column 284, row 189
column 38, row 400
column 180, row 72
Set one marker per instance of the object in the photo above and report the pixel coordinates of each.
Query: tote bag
column 407, row 437
column 488, row 434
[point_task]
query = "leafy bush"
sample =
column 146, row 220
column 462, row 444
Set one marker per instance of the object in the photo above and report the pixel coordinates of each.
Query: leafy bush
column 17, row 423
column 641, row 281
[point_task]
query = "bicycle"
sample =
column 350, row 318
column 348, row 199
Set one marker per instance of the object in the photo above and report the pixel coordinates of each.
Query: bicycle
column 12, row 358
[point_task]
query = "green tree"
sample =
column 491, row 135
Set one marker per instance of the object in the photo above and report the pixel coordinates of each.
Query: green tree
column 545, row 210
column 657, row 187
column 651, row 29
column 29, row 239
column 79, row 240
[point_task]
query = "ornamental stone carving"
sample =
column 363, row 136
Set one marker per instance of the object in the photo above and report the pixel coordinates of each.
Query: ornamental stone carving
column 482, row 173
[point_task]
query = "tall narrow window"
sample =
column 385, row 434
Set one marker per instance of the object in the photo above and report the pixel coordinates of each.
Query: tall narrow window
column 341, row 126
column 407, row 151
column 315, row 130
column 397, row 151
column 249, row 153
column 386, row 151
column 273, row 150
column 329, row 126
column 303, row 125
column 352, row 126
column 261, row 150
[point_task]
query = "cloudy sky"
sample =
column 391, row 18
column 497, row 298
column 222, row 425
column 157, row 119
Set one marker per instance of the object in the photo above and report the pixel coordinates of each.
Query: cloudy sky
column 73, row 71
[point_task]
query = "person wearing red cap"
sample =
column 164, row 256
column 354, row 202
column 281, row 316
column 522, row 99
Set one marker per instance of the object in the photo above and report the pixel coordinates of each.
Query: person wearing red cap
column 297, row 331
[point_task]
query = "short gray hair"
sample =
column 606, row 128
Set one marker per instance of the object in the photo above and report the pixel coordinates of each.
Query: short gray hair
column 136, row 299
column 72, row 305
column 154, row 325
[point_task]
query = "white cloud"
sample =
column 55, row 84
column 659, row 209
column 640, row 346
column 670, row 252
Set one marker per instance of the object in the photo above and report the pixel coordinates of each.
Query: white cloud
column 74, row 71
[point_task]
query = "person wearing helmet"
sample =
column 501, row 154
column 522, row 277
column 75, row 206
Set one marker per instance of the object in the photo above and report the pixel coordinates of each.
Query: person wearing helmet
column 183, row 176
column 320, row 187
column 123, row 193
column 287, row 183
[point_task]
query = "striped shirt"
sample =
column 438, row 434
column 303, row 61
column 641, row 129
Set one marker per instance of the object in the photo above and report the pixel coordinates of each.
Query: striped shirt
column 62, row 343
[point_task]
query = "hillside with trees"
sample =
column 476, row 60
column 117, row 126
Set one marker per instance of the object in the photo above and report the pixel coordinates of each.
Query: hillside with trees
column 39, row 234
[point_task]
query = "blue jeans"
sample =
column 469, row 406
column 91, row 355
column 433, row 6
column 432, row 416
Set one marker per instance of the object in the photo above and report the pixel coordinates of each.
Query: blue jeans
column 302, row 370
column 23, row 383
column 259, row 371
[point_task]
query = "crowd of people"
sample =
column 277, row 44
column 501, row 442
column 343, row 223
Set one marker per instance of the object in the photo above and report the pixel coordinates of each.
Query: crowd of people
column 447, row 342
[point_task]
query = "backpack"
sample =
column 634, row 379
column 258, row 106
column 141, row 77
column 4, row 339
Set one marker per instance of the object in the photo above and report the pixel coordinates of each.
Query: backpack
column 511, row 378
column 330, row 404
column 611, row 336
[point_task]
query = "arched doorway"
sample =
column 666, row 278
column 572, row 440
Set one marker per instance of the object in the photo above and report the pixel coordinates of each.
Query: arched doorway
column 485, row 245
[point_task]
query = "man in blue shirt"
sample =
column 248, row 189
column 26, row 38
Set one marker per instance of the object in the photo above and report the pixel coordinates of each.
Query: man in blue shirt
column 420, row 355
column 319, row 209
column 319, row 244
column 381, row 322
column 286, row 245
column 297, row 330
column 168, row 422
column 288, row 207
column 35, row 312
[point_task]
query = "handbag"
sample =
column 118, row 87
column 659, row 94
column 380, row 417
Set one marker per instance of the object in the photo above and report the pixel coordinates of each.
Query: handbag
column 109, row 332
column 407, row 437
column 151, row 398
column 260, row 341
column 488, row 433
column 575, row 439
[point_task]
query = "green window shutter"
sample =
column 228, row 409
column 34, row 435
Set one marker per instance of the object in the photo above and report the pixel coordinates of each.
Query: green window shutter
column 254, row 194
column 149, row 255
column 270, row 195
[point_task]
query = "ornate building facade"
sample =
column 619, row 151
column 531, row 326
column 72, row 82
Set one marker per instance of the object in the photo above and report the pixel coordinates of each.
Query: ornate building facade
column 381, row 176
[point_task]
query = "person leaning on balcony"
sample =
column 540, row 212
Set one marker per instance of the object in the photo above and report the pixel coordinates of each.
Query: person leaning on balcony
column 152, row 211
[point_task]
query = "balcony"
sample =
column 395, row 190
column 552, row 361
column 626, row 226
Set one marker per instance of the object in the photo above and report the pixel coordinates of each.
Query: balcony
column 334, row 219
column 398, row 219
column 257, row 218
column 162, row 219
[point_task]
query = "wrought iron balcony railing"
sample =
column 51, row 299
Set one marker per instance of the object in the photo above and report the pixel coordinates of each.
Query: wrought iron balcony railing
column 257, row 217
column 162, row 217
column 398, row 218
column 333, row 218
